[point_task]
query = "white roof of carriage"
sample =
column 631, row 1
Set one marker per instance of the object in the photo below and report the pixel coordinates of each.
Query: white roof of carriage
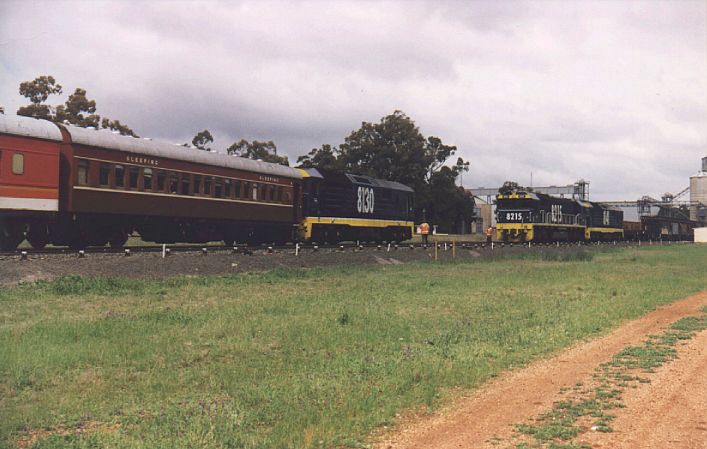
column 107, row 139
column 30, row 127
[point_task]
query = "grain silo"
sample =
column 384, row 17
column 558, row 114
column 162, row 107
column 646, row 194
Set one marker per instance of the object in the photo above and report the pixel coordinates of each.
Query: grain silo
column 698, row 195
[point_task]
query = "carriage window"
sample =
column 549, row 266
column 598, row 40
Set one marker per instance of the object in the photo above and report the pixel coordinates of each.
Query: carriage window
column 133, row 174
column 218, row 188
column 237, row 190
column 82, row 166
column 104, row 174
column 173, row 182
column 279, row 194
column 207, row 185
column 147, row 178
column 227, row 188
column 160, row 181
column 246, row 190
column 185, row 183
column 272, row 193
column 255, row 191
column 119, row 176
column 18, row 163
column 287, row 198
column 197, row 184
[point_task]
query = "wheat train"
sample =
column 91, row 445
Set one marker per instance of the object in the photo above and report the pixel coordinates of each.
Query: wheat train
column 524, row 216
column 78, row 187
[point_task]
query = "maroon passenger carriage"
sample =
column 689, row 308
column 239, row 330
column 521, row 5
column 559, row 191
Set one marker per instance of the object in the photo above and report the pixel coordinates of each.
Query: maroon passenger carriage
column 110, row 185
column 168, row 193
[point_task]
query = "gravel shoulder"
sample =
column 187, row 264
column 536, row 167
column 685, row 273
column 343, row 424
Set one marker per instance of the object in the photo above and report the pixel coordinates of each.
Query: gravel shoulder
column 655, row 414
column 152, row 265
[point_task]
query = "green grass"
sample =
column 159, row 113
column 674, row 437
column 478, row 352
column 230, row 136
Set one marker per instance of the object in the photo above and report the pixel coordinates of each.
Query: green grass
column 298, row 358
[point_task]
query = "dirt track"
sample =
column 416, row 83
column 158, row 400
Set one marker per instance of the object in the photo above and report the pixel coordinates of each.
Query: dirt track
column 668, row 413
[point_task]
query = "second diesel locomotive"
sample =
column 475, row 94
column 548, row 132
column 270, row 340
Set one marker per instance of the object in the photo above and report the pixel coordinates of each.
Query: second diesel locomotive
column 524, row 216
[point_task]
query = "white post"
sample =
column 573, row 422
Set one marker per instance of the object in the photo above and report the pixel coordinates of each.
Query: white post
column 297, row 249
column 164, row 252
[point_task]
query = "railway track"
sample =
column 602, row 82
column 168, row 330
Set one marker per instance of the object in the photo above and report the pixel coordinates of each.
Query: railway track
column 249, row 249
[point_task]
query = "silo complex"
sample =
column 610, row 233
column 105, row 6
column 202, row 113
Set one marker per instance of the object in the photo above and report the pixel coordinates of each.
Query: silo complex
column 698, row 194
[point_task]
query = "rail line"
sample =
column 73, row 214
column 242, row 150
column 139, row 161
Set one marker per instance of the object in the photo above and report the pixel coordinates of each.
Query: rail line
column 313, row 247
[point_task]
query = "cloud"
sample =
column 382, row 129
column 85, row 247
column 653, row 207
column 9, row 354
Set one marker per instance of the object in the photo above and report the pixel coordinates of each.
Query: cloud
column 613, row 92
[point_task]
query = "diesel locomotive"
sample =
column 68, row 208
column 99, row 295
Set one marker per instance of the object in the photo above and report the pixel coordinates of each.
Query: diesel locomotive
column 79, row 187
column 524, row 216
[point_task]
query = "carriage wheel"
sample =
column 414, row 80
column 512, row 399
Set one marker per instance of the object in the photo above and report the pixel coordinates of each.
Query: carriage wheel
column 11, row 235
column 38, row 235
column 118, row 239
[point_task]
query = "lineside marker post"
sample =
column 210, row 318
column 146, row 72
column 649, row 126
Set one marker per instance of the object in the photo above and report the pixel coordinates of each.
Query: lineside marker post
column 454, row 251
column 296, row 249
column 436, row 246
column 164, row 250
column 388, row 248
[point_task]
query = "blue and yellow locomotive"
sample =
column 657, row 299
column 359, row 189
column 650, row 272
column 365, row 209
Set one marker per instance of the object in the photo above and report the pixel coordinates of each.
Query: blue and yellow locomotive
column 524, row 216
column 338, row 206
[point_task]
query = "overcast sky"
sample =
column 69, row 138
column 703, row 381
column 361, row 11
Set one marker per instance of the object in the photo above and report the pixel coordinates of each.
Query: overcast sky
column 613, row 92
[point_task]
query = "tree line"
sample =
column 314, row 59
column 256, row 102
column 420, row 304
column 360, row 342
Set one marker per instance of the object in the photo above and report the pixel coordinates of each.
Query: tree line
column 392, row 149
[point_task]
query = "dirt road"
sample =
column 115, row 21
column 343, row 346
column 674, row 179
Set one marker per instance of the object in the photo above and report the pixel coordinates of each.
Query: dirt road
column 670, row 412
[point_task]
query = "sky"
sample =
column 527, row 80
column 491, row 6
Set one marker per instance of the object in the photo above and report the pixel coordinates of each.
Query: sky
column 613, row 92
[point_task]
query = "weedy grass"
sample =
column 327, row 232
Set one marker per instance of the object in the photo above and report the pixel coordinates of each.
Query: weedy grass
column 557, row 427
column 298, row 358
